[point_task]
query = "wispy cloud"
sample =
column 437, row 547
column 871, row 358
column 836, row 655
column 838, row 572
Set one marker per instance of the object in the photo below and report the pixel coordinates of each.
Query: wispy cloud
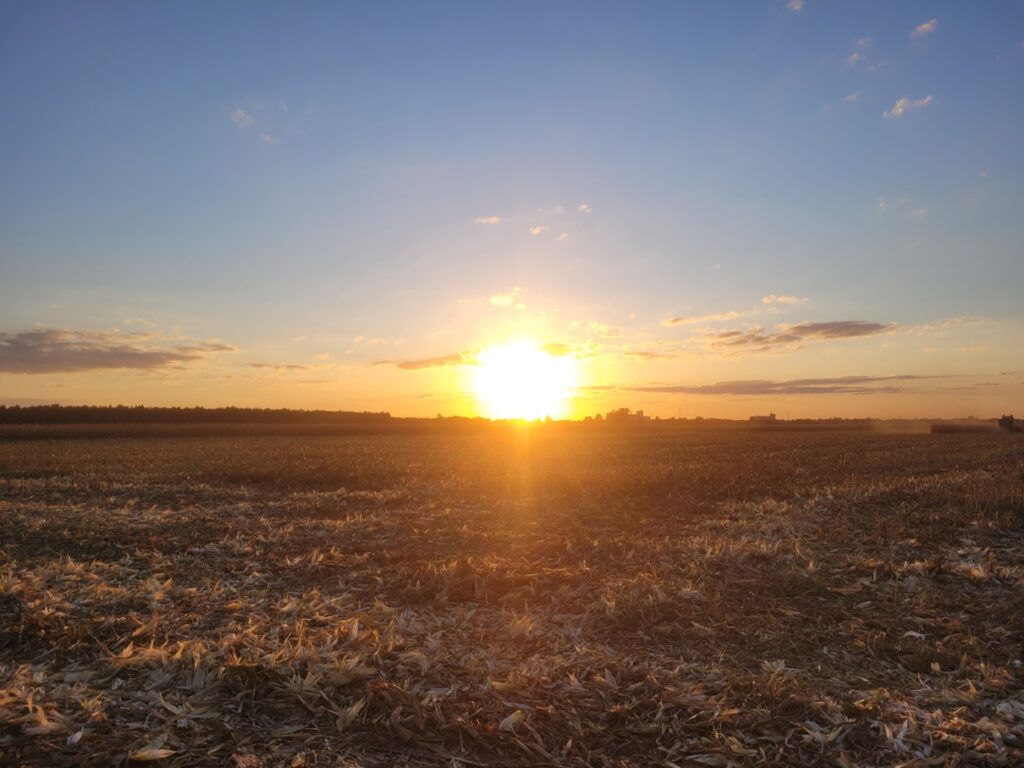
column 644, row 354
column 904, row 205
column 942, row 327
column 594, row 328
column 280, row 366
column 49, row 350
column 207, row 346
column 489, row 220
column 921, row 30
column 904, row 105
column 539, row 229
column 773, row 298
column 757, row 339
column 506, row 298
column 838, row 329
column 752, row 339
column 694, row 319
column 583, row 208
column 852, row 97
column 859, row 56
column 795, row 5
column 443, row 361
column 840, row 385
column 242, row 118
column 563, row 237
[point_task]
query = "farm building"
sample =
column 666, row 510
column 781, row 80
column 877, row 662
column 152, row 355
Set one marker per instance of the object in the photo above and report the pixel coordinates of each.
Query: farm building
column 625, row 416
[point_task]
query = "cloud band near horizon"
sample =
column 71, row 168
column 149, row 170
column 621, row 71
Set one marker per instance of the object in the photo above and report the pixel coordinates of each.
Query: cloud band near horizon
column 840, row 385
column 53, row 350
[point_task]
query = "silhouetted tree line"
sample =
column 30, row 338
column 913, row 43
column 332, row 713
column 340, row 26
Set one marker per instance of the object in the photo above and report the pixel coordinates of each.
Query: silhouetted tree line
column 138, row 414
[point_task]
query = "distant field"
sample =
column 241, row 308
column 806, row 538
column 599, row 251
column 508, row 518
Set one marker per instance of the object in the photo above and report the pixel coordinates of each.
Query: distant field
column 512, row 597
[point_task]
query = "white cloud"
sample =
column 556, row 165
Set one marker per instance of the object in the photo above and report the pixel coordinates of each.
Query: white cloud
column 859, row 56
column 506, row 298
column 583, row 208
column 539, row 229
column 242, row 118
column 942, row 327
column 925, row 29
column 904, row 104
column 904, row 205
column 773, row 298
column 852, row 97
column 137, row 321
column 795, row 5
column 563, row 237
column 489, row 220
column 266, row 138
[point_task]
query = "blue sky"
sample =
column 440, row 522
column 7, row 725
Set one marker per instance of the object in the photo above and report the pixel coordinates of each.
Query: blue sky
column 290, row 179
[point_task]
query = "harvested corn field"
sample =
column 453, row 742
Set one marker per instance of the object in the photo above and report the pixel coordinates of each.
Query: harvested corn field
column 538, row 596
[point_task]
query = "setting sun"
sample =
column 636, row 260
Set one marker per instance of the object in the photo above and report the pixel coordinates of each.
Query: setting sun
column 521, row 380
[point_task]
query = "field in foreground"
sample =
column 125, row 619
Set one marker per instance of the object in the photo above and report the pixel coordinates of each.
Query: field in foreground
column 523, row 597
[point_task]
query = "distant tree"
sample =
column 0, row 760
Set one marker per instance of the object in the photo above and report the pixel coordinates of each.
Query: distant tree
column 138, row 414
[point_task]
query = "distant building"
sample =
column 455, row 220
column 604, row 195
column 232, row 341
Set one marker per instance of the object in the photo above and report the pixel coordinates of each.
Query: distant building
column 769, row 419
column 626, row 416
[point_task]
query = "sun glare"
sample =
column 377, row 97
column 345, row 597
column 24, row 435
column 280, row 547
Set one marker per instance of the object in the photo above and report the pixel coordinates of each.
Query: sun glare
column 520, row 380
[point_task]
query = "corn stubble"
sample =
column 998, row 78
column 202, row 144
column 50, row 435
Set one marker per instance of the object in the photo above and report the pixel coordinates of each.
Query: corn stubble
column 522, row 598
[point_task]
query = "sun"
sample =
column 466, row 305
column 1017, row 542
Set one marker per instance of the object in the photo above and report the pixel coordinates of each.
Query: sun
column 523, row 380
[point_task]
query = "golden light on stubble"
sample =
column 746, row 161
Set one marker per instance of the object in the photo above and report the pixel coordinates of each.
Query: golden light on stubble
column 520, row 380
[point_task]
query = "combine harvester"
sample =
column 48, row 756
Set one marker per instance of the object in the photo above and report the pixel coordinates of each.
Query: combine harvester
column 1010, row 424
column 974, row 426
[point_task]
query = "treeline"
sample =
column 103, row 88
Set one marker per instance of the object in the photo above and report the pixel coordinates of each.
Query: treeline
column 123, row 414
